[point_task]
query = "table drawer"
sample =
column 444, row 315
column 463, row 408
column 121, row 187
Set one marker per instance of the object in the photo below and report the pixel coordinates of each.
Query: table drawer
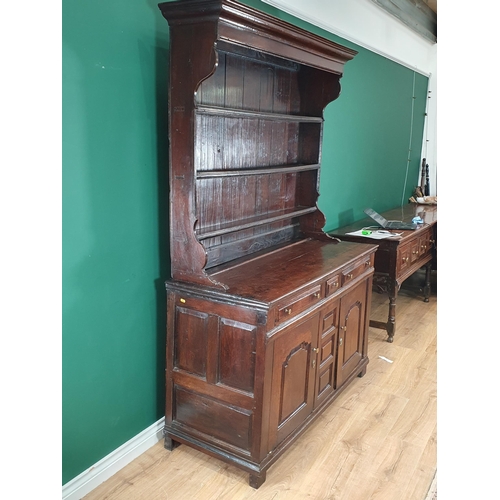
column 403, row 258
column 359, row 267
column 414, row 250
column 300, row 303
column 425, row 243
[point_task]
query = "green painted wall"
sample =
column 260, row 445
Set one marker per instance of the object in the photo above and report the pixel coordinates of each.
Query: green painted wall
column 367, row 138
column 115, row 204
column 115, row 231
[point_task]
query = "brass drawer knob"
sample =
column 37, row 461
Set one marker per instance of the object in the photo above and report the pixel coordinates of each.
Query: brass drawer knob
column 316, row 295
column 349, row 276
column 315, row 349
column 288, row 310
column 341, row 340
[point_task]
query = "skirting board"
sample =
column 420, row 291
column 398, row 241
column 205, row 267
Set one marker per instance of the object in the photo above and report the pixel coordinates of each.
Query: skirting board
column 112, row 463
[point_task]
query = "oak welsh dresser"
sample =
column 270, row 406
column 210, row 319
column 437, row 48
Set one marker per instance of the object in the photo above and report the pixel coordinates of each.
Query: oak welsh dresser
column 267, row 316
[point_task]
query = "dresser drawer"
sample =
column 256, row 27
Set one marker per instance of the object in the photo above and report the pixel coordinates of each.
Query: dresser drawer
column 332, row 285
column 352, row 272
column 300, row 303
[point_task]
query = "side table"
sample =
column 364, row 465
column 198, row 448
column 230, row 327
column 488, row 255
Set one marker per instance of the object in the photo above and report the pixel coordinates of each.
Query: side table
column 398, row 257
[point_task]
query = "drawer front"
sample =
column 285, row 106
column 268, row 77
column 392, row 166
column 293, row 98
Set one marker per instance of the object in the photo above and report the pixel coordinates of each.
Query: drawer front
column 352, row 272
column 403, row 262
column 414, row 250
column 425, row 243
column 333, row 284
column 301, row 303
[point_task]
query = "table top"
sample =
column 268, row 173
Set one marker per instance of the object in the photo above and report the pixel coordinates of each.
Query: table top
column 428, row 213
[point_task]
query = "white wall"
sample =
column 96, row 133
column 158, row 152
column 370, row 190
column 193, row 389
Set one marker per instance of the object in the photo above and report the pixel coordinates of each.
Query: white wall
column 366, row 24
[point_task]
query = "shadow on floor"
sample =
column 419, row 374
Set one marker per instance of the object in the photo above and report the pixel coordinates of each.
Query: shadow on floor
column 414, row 285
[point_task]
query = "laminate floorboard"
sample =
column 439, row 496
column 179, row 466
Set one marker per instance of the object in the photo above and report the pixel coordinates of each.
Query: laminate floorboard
column 377, row 441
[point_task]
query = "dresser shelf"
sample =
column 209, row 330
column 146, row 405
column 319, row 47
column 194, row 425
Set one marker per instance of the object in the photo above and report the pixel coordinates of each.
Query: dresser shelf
column 256, row 115
column 274, row 170
column 254, row 222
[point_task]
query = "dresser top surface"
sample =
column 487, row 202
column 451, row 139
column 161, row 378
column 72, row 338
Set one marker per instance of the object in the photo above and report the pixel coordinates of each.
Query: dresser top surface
column 272, row 276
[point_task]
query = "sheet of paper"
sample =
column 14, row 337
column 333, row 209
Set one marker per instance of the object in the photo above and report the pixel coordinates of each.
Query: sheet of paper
column 375, row 235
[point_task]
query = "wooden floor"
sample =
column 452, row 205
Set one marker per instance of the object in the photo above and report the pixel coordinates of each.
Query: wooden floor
column 376, row 441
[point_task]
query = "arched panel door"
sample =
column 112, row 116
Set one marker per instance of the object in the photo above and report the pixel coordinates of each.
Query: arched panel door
column 351, row 332
column 294, row 368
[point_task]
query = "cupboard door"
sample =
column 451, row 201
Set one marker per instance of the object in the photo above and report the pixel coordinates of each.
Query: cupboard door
column 294, row 368
column 327, row 352
column 351, row 332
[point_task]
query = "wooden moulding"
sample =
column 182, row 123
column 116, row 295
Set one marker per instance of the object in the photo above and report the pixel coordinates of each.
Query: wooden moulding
column 243, row 25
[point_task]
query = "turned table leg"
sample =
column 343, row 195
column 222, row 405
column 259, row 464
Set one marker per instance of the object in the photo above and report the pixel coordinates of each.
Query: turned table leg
column 391, row 287
column 427, row 286
column 391, row 319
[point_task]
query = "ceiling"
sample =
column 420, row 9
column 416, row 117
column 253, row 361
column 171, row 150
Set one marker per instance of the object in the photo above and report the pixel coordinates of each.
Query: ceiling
column 418, row 15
